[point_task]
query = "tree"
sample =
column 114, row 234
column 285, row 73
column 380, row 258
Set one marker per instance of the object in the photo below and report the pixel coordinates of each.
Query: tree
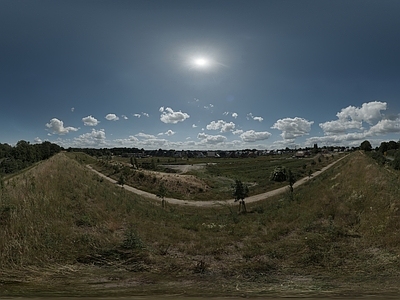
column 240, row 192
column 121, row 180
column 162, row 191
column 366, row 146
column 291, row 179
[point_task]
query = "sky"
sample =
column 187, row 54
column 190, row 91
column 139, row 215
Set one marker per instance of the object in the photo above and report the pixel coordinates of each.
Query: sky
column 200, row 75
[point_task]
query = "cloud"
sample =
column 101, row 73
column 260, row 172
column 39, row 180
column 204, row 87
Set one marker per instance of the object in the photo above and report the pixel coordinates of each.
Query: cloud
column 90, row 121
column 112, row 117
column 253, row 136
column 72, row 109
column 124, row 117
column 170, row 132
column 209, row 106
column 145, row 114
column 131, row 139
column 225, row 113
column 37, row 140
column 211, row 139
column 137, row 115
column 250, row 116
column 169, row 116
column 385, row 126
column 194, row 126
column 221, row 125
column 234, row 115
column 368, row 112
column 238, row 131
column 57, row 127
column 93, row 138
column 145, row 136
column 293, row 127
column 340, row 126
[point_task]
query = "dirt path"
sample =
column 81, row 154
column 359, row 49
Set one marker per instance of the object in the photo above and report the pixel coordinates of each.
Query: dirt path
column 250, row 199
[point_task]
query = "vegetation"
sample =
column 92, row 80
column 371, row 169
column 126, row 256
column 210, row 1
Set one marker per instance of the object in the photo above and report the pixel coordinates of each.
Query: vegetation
column 240, row 192
column 23, row 155
column 66, row 231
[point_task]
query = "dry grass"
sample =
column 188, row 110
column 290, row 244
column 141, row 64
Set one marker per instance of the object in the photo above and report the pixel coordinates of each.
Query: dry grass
column 61, row 225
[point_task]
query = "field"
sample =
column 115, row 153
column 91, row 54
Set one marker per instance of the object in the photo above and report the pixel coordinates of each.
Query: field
column 66, row 231
column 208, row 178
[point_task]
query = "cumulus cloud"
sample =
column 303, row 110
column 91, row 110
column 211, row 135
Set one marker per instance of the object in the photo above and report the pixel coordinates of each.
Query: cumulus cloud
column 170, row 132
column 194, row 126
column 209, row 106
column 221, row 125
column 37, row 140
column 386, row 126
column 211, row 139
column 112, row 117
column 93, row 138
column 340, row 126
column 238, row 131
column 293, row 127
column 137, row 115
column 72, row 109
column 234, row 115
column 145, row 114
column 57, row 127
column 90, row 121
column 124, row 117
column 253, row 136
column 131, row 139
column 368, row 112
column 169, row 116
column 145, row 136
column 250, row 116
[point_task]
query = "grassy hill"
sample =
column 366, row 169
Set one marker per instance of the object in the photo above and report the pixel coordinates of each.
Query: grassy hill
column 64, row 230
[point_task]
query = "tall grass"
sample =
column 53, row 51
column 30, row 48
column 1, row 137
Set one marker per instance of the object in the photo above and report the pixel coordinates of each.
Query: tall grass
column 341, row 225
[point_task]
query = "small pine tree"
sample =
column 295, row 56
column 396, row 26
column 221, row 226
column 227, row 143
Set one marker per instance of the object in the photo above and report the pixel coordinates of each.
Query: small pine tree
column 240, row 192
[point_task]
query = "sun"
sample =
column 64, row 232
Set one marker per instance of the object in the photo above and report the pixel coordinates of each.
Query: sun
column 201, row 62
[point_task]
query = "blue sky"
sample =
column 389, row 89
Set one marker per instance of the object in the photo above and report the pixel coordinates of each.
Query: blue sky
column 200, row 74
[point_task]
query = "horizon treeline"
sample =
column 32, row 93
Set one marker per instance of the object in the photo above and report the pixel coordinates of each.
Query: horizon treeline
column 24, row 154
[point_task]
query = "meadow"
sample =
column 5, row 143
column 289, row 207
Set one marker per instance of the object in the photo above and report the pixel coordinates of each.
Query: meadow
column 66, row 231
column 213, row 181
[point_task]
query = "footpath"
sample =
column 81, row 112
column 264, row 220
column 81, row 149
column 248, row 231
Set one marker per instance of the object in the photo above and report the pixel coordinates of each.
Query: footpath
column 250, row 199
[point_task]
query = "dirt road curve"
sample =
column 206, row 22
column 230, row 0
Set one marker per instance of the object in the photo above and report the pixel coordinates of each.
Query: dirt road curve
column 250, row 199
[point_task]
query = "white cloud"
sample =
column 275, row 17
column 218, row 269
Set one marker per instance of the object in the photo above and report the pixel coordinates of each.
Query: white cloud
column 221, row 125
column 238, row 131
column 112, row 117
column 72, row 109
column 211, row 139
column 209, row 106
column 145, row 136
column 234, row 115
column 90, row 121
column 161, row 109
column 145, row 114
column 293, row 127
column 37, row 140
column 57, row 127
column 131, row 139
column 386, row 126
column 170, row 132
column 225, row 113
column 169, row 116
column 194, row 126
column 252, row 136
column 340, row 126
column 137, row 115
column 368, row 112
column 124, row 117
column 250, row 116
column 93, row 138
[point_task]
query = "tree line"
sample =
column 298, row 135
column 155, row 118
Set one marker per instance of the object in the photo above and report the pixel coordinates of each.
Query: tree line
column 24, row 154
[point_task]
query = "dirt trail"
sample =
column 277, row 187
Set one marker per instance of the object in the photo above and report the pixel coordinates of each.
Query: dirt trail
column 250, row 199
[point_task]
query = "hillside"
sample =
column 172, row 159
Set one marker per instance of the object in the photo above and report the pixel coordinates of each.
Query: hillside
column 65, row 230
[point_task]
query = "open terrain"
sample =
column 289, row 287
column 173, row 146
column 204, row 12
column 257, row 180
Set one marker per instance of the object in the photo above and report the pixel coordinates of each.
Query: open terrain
column 68, row 231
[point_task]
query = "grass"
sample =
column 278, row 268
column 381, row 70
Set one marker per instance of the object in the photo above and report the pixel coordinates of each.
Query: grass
column 62, row 226
column 216, row 179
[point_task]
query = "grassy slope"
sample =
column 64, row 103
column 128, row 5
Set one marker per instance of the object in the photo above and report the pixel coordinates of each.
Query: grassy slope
column 63, row 229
